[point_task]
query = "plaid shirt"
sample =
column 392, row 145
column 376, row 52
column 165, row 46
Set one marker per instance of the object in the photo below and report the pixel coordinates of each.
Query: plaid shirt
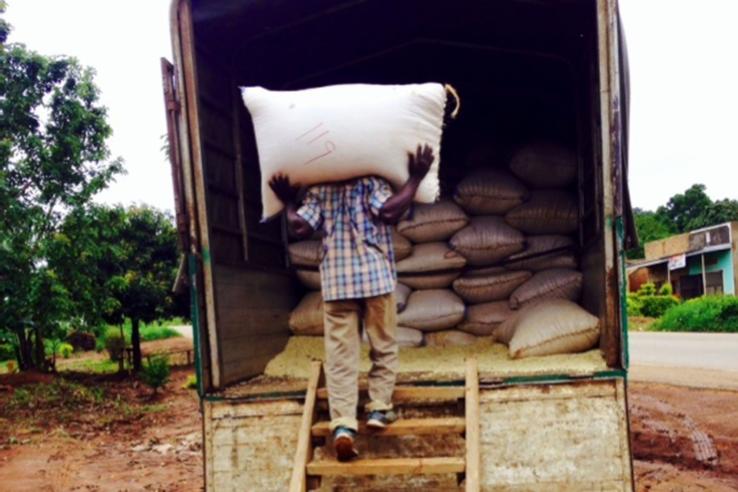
column 358, row 257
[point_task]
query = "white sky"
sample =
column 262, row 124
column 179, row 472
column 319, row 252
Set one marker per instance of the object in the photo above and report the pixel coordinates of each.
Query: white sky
column 684, row 84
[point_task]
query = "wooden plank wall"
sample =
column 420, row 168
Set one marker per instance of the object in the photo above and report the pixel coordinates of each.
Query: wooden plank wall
column 254, row 291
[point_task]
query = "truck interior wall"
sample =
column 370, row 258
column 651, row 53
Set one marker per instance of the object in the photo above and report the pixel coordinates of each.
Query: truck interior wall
column 525, row 70
column 247, row 256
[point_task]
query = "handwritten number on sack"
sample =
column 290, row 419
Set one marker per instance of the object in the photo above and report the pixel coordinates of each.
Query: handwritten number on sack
column 315, row 135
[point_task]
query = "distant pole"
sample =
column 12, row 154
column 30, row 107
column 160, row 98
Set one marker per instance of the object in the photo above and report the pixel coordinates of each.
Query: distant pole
column 704, row 276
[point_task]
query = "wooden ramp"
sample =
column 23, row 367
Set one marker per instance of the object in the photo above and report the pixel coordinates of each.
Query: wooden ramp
column 307, row 471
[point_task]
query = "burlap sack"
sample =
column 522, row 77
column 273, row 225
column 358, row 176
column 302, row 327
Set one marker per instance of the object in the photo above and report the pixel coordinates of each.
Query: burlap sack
column 551, row 327
column 545, row 165
column 449, row 338
column 429, row 280
column 431, row 266
column 547, row 212
column 307, row 317
column 490, row 192
column 497, row 286
column 402, row 292
column 434, row 222
column 406, row 337
column 309, row 278
column 558, row 283
column 504, row 332
column 402, row 246
column 432, row 310
column 305, row 253
column 535, row 257
column 431, row 257
column 483, row 319
column 487, row 240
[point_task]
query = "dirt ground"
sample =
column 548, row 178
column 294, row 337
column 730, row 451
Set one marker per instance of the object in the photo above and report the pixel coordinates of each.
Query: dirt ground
column 684, row 439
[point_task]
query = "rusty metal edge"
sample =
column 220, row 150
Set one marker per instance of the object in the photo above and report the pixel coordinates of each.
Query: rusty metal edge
column 184, row 31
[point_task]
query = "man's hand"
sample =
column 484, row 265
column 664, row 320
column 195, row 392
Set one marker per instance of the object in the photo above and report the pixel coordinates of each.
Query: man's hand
column 280, row 185
column 420, row 163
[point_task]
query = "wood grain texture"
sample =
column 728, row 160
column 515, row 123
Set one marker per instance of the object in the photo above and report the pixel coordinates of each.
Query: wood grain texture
column 472, row 425
column 388, row 466
column 404, row 427
column 304, row 450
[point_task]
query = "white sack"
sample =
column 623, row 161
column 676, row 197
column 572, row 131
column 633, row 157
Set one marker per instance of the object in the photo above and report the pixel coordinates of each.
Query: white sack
column 340, row 132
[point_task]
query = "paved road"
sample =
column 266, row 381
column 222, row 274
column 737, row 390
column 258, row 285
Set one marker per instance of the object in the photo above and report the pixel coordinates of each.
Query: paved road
column 707, row 360
column 714, row 351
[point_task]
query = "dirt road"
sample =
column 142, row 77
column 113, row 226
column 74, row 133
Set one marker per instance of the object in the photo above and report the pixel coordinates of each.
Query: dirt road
column 684, row 439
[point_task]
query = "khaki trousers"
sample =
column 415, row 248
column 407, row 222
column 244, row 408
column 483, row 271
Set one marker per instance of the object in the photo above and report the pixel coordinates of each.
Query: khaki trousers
column 342, row 341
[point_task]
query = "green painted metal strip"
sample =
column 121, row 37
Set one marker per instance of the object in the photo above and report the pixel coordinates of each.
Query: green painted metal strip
column 195, row 315
column 620, row 234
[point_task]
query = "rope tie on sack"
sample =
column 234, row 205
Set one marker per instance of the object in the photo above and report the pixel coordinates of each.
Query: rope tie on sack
column 452, row 91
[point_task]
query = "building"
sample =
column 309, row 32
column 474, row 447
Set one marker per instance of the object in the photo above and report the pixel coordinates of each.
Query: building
column 704, row 261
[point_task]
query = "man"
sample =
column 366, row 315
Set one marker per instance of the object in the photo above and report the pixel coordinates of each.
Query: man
column 358, row 279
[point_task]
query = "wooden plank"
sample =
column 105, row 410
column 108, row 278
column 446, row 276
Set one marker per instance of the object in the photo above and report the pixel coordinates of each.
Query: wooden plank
column 388, row 466
column 404, row 427
column 405, row 394
column 304, row 450
column 472, row 425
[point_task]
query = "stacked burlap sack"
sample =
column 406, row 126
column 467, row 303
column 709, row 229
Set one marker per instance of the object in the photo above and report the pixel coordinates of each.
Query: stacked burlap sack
column 498, row 259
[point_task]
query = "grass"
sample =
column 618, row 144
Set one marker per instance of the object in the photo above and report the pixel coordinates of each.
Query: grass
column 158, row 330
column 91, row 366
column 640, row 323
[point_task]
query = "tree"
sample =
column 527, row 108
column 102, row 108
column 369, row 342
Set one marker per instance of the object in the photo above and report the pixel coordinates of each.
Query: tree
column 651, row 226
column 686, row 210
column 144, row 286
column 53, row 160
column 718, row 212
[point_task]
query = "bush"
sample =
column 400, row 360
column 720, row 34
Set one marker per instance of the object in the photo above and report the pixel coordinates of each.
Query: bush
column 703, row 314
column 156, row 373
column 650, row 302
column 656, row 306
column 65, row 350
column 115, row 344
column 82, row 340
column 634, row 305
column 7, row 351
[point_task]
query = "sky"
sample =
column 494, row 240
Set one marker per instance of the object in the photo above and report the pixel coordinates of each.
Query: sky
column 684, row 86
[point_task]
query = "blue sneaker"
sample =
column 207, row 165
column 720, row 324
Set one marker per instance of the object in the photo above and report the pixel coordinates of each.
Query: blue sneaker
column 343, row 443
column 378, row 420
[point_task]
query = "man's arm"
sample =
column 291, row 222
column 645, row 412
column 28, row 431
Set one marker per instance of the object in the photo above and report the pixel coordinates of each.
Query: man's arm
column 299, row 227
column 418, row 164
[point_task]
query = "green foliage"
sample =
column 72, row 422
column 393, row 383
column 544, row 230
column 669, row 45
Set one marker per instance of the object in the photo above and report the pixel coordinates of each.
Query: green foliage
column 53, row 160
column 702, row 314
column 666, row 289
column 191, row 382
column 60, row 393
column 150, row 333
column 650, row 302
column 115, row 344
column 7, row 351
column 633, row 304
column 156, row 373
column 65, row 350
column 651, row 227
column 647, row 289
column 684, row 212
column 656, row 306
